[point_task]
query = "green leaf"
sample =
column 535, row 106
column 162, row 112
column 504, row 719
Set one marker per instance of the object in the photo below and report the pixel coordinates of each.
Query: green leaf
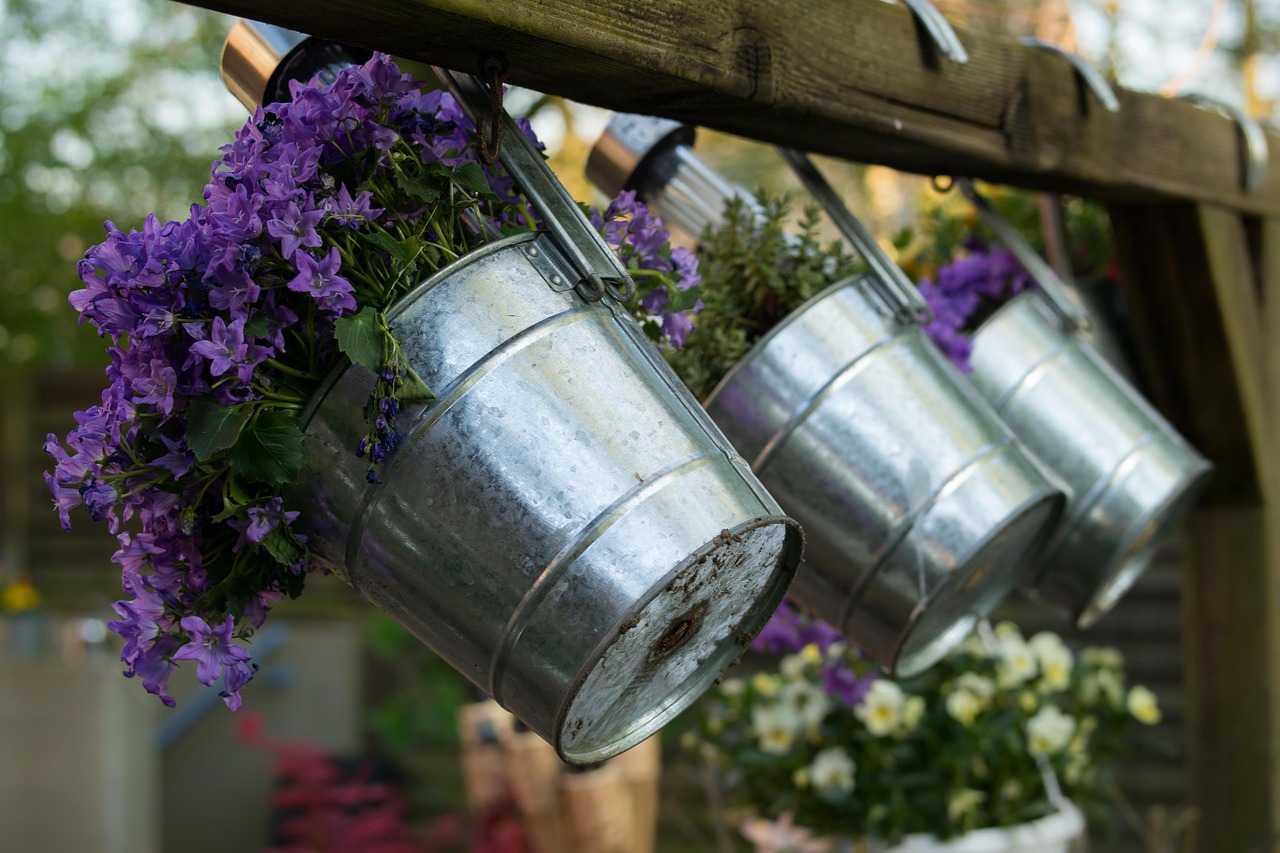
column 212, row 427
column 283, row 546
column 361, row 337
column 414, row 390
column 427, row 187
column 269, row 450
column 257, row 325
column 681, row 300
column 384, row 241
column 470, row 176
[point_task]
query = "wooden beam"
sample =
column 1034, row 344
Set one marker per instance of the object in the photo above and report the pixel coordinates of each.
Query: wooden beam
column 1197, row 316
column 850, row 78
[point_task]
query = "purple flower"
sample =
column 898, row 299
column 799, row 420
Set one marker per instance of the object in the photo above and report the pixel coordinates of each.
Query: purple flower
column 262, row 520
column 211, row 648
column 320, row 279
column 353, row 212
column 225, row 347
column 295, row 228
column 963, row 286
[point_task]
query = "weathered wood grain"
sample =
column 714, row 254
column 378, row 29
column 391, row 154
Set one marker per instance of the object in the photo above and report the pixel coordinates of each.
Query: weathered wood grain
column 850, row 78
column 1203, row 336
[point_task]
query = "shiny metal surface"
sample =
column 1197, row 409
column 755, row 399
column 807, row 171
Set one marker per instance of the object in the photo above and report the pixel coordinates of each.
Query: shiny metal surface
column 627, row 147
column 1131, row 476
column 1090, row 76
column 258, row 61
column 563, row 524
column 939, row 30
column 595, row 269
column 1256, row 152
column 920, row 509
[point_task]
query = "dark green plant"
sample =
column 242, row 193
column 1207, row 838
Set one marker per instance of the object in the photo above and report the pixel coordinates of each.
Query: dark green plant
column 755, row 271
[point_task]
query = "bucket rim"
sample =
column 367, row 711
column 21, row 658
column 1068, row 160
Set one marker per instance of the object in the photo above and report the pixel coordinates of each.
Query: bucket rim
column 1164, row 516
column 1056, row 500
column 401, row 305
column 784, row 568
column 851, row 281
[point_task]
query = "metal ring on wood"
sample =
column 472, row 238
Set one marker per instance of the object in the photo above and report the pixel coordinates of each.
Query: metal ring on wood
column 1090, row 76
column 1256, row 151
column 944, row 38
column 1074, row 319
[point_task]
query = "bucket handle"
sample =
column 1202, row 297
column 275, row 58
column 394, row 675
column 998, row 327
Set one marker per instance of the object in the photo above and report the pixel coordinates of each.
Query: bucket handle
column 907, row 303
column 944, row 38
column 1256, row 151
column 1073, row 318
column 598, row 268
column 1090, row 76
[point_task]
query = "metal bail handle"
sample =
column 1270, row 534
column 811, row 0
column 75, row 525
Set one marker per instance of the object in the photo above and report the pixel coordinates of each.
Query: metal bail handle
column 600, row 270
column 1041, row 273
column 1090, row 76
column 1256, row 151
column 909, row 305
column 944, row 38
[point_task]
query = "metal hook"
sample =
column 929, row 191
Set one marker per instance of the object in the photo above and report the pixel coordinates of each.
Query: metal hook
column 1090, row 76
column 944, row 38
column 1041, row 273
column 1256, row 152
column 493, row 67
column 909, row 305
column 588, row 254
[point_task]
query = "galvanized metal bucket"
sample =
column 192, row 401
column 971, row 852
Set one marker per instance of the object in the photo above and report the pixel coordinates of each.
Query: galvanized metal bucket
column 1132, row 478
column 920, row 510
column 563, row 524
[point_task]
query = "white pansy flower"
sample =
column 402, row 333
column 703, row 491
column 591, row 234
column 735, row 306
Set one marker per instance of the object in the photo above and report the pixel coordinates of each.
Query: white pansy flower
column 809, row 701
column 962, row 802
column 912, row 711
column 832, row 771
column 1017, row 662
column 733, row 686
column 1007, row 631
column 776, row 726
column 1049, row 731
column 1142, row 704
column 766, row 684
column 963, row 706
column 1055, row 661
column 979, row 685
column 881, row 709
column 1111, row 687
column 1103, row 656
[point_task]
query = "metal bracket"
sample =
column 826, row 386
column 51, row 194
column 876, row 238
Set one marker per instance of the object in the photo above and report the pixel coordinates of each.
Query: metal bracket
column 907, row 303
column 1089, row 76
column 598, row 269
column 944, row 38
column 1073, row 318
column 1256, row 151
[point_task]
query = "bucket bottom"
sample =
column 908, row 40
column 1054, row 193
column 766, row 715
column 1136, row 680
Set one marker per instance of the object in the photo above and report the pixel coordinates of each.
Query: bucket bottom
column 670, row 649
column 974, row 589
column 968, row 549
column 1110, row 545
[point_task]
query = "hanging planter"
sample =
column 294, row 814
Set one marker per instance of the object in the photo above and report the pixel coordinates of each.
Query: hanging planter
column 475, row 434
column 921, row 511
column 1132, row 477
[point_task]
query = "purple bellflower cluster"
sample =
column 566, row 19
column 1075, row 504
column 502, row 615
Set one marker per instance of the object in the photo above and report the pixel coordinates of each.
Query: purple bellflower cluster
column 667, row 278
column 320, row 214
column 966, row 289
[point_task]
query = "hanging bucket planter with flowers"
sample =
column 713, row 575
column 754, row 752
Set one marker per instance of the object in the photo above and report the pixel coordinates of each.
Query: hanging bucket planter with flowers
column 1132, row 477
column 537, row 498
column 921, row 510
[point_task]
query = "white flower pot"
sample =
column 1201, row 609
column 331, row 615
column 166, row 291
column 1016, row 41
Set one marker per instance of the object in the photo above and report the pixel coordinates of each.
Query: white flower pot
column 1050, row 834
